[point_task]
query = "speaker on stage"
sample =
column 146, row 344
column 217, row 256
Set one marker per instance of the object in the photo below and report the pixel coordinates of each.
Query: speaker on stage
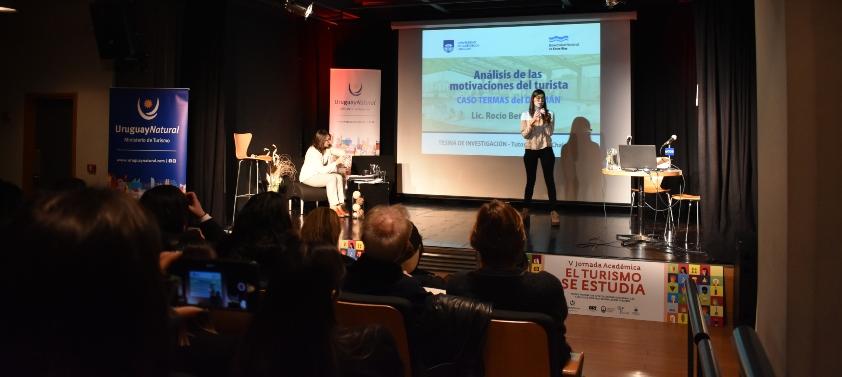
column 115, row 29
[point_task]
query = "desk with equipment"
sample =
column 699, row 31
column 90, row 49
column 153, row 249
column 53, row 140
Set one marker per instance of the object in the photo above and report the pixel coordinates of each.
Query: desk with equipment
column 639, row 162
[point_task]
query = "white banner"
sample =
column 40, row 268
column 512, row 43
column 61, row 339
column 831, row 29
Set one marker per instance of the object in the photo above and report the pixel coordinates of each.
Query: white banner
column 355, row 110
column 608, row 287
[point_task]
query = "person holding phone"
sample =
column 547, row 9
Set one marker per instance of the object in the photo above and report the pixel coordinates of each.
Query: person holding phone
column 322, row 168
column 536, row 127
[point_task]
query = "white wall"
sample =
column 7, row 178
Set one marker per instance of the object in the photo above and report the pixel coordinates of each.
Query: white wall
column 49, row 47
column 798, row 83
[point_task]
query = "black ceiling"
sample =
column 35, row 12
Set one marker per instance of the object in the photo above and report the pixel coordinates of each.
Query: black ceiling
column 339, row 11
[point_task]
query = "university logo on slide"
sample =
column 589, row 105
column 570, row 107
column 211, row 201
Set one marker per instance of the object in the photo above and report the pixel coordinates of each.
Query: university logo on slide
column 447, row 45
column 147, row 111
column 559, row 39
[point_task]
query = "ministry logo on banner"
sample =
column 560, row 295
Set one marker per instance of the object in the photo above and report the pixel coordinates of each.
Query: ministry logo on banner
column 354, row 116
column 147, row 138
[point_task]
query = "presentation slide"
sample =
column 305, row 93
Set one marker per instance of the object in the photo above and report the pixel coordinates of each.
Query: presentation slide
column 463, row 86
column 476, row 83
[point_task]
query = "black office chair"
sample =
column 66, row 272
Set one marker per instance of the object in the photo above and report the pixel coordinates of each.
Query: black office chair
column 305, row 193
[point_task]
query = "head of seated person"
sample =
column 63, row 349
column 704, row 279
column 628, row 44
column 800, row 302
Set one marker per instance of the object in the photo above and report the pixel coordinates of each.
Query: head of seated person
column 293, row 332
column 93, row 302
column 262, row 224
column 321, row 225
column 499, row 236
column 385, row 233
column 168, row 205
column 412, row 257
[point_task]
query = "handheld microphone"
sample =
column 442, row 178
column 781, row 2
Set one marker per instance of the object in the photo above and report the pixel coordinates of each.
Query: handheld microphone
column 628, row 140
column 669, row 141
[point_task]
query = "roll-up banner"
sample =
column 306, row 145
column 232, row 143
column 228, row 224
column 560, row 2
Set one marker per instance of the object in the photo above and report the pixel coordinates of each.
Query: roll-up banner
column 355, row 110
column 147, row 138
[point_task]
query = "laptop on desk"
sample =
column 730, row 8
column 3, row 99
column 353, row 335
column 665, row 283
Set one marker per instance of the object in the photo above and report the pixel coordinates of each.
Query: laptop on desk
column 637, row 157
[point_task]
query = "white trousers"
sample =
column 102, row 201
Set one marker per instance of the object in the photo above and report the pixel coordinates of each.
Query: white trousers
column 333, row 183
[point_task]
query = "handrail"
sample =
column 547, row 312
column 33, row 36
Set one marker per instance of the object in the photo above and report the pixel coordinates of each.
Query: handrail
column 753, row 359
column 698, row 337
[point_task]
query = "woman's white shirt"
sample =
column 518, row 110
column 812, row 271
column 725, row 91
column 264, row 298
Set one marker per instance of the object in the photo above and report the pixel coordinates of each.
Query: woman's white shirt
column 316, row 163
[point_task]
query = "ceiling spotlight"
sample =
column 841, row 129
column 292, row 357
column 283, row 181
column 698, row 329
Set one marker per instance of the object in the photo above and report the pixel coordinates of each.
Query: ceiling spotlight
column 7, row 6
column 613, row 3
column 298, row 9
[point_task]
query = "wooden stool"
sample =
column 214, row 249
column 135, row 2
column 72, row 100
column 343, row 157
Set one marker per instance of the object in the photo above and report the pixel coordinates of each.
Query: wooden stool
column 241, row 145
column 690, row 200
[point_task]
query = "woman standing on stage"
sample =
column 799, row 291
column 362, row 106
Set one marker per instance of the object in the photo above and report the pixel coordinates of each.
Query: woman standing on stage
column 536, row 126
column 322, row 169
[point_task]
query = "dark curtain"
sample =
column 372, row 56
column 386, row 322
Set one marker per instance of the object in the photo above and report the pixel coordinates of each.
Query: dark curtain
column 727, row 125
column 203, row 71
column 664, row 87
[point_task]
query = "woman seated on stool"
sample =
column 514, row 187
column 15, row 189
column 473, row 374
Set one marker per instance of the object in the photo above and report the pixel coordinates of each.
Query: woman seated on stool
column 323, row 169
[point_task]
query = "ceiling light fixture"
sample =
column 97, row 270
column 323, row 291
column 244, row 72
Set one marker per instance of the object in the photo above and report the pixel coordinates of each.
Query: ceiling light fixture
column 7, row 6
column 298, row 9
column 614, row 3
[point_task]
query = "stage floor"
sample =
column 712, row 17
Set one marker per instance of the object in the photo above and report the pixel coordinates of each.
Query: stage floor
column 585, row 232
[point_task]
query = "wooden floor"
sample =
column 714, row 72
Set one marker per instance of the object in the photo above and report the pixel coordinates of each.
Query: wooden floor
column 623, row 347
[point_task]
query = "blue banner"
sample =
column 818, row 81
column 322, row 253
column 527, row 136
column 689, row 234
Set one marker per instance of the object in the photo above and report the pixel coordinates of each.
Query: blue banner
column 147, row 138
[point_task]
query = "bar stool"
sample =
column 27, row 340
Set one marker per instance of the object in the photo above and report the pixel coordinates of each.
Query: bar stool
column 241, row 145
column 690, row 199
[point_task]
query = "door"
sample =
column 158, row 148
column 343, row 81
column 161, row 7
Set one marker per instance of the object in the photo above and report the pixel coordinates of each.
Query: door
column 49, row 153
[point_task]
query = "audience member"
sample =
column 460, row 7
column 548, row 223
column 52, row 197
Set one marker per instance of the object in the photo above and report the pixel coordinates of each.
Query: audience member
column 175, row 212
column 321, row 225
column 385, row 233
column 294, row 332
column 88, row 297
column 410, row 265
column 262, row 232
column 499, row 237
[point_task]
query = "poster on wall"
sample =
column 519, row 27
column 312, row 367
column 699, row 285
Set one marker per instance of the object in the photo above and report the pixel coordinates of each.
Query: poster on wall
column 607, row 287
column 355, row 110
column 147, row 138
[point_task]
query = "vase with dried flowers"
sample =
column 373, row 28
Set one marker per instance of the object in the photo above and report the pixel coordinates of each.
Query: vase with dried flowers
column 281, row 166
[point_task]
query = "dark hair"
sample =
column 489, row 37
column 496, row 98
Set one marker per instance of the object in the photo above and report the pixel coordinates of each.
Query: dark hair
column 292, row 332
column 263, row 227
column 319, row 139
column 535, row 93
column 321, row 224
column 11, row 201
column 498, row 234
column 385, row 233
column 91, row 300
column 416, row 245
column 168, row 205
